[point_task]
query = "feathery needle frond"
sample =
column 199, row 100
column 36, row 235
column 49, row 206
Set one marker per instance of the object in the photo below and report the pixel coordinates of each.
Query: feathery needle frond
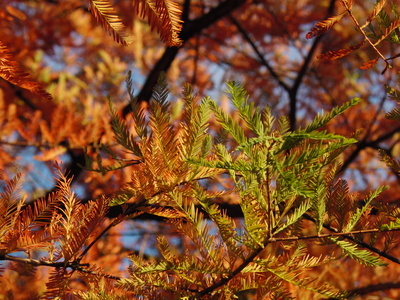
column 162, row 15
column 12, row 72
column 106, row 15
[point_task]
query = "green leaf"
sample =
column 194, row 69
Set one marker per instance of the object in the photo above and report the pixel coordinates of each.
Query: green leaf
column 122, row 134
column 323, row 119
column 194, row 138
column 363, row 256
column 319, row 204
column 247, row 112
column 227, row 122
column 360, row 211
column 295, row 216
column 393, row 225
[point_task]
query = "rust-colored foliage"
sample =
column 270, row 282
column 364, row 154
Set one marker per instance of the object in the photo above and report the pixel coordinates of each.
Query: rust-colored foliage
column 10, row 71
column 164, row 16
column 384, row 23
column 61, row 60
column 369, row 64
column 106, row 16
column 324, row 26
column 332, row 55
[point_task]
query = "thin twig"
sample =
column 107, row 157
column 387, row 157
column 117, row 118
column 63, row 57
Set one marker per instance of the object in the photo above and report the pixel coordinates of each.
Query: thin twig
column 235, row 272
column 363, row 33
column 359, row 242
column 259, row 54
column 74, row 265
column 333, row 234
column 293, row 92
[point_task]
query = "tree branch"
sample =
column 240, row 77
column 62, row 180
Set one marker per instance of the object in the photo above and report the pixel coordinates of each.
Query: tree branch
column 302, row 72
column 259, row 55
column 361, row 145
column 358, row 242
column 190, row 29
column 371, row 289
column 74, row 265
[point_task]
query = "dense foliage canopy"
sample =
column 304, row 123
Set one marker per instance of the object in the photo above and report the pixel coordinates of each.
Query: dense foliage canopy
column 199, row 149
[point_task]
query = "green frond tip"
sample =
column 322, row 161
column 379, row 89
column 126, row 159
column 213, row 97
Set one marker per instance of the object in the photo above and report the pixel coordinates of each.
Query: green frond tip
column 393, row 225
column 283, row 125
column 389, row 161
column 319, row 204
column 295, row 216
column 137, row 112
column 360, row 211
column 393, row 93
column 247, row 111
column 292, row 139
column 364, row 257
column 122, row 133
column 195, row 125
column 161, row 92
column 323, row 119
column 227, row 122
column 394, row 114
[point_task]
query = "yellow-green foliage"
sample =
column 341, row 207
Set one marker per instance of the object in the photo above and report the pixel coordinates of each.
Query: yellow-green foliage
column 279, row 178
column 283, row 183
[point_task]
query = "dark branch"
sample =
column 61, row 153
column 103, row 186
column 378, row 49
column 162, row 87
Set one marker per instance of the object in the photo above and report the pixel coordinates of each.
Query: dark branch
column 259, row 55
column 363, row 144
column 371, row 289
column 358, row 242
column 190, row 29
column 302, row 72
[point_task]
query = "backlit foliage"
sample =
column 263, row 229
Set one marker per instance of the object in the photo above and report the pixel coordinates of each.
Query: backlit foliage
column 378, row 27
column 58, row 226
column 10, row 71
column 278, row 176
column 185, row 196
column 162, row 16
column 284, row 181
column 104, row 13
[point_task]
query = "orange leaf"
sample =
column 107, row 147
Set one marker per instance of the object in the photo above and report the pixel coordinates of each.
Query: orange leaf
column 50, row 154
column 106, row 15
column 324, row 26
column 10, row 71
column 332, row 55
column 369, row 64
column 377, row 9
column 389, row 30
column 16, row 12
column 164, row 16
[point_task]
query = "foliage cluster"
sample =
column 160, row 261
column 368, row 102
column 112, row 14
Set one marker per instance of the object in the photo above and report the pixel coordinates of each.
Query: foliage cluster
column 247, row 205
column 281, row 179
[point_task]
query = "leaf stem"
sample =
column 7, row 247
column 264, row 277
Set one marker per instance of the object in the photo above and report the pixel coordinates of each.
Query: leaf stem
column 348, row 9
column 235, row 272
